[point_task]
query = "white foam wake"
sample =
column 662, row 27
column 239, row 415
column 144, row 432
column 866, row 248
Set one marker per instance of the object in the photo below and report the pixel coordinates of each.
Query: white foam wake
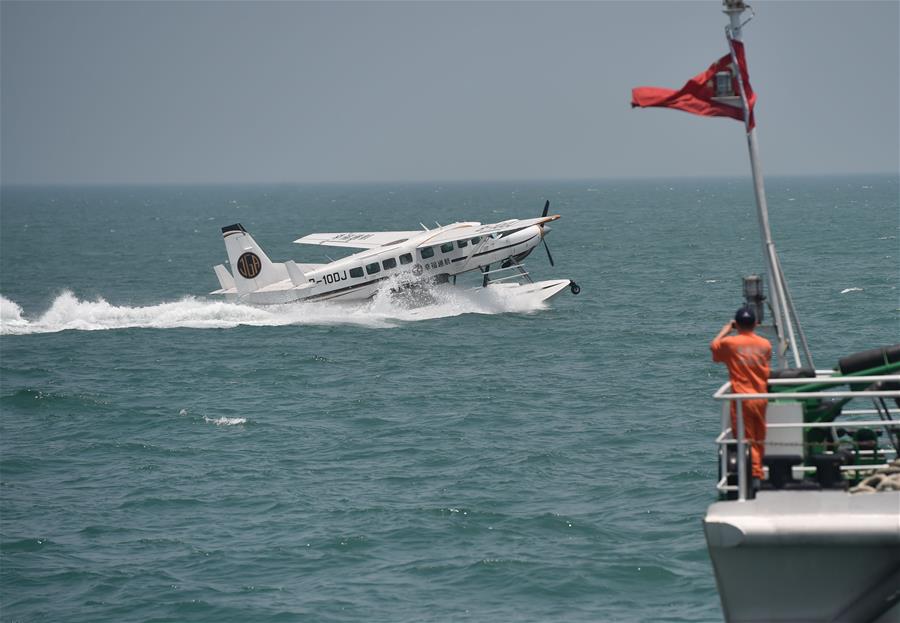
column 67, row 312
column 221, row 421
column 225, row 421
column 10, row 314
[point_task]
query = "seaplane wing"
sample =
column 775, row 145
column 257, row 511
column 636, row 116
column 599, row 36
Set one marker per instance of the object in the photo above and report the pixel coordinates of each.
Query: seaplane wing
column 471, row 230
column 359, row 239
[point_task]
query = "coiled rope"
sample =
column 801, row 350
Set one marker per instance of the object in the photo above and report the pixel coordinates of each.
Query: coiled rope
column 884, row 479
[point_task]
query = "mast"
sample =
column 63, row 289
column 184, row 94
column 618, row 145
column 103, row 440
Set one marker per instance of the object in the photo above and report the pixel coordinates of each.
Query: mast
column 783, row 313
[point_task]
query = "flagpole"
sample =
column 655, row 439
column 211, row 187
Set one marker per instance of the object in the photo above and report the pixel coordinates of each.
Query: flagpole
column 781, row 309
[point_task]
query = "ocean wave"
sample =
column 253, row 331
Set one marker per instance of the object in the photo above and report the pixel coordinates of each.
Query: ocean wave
column 29, row 398
column 225, row 421
column 33, row 544
column 68, row 312
column 10, row 313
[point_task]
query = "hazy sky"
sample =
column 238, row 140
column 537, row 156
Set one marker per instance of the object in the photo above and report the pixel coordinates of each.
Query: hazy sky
column 134, row 92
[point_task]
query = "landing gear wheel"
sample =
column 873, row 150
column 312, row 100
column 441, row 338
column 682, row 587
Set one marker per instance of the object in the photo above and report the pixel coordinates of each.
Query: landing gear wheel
column 575, row 288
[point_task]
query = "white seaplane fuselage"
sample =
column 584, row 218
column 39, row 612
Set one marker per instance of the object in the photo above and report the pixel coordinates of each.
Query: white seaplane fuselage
column 434, row 255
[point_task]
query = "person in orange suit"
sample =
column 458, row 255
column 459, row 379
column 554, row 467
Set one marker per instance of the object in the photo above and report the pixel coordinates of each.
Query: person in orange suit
column 747, row 357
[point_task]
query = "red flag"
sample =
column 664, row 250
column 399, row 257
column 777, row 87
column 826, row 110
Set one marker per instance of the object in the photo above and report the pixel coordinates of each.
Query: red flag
column 697, row 95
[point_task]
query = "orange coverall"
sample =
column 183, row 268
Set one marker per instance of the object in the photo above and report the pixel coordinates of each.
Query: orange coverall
column 747, row 357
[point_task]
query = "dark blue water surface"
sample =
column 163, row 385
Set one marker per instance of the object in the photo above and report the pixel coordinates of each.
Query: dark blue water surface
column 168, row 457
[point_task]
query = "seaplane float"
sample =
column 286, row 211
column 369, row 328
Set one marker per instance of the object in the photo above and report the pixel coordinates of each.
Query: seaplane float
column 404, row 260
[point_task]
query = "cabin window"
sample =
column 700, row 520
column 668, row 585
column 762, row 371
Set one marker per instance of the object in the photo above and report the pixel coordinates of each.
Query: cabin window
column 476, row 239
column 356, row 272
column 389, row 263
column 427, row 252
column 406, row 258
column 373, row 268
column 462, row 243
column 446, row 247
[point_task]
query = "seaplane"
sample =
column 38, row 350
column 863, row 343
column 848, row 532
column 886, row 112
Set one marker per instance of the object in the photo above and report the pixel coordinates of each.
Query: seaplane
column 388, row 258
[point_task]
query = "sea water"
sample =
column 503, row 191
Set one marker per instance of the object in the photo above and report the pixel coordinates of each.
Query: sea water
column 168, row 456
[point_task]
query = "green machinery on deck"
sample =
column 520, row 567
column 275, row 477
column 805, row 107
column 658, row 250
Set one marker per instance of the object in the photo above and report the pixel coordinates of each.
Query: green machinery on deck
column 861, row 443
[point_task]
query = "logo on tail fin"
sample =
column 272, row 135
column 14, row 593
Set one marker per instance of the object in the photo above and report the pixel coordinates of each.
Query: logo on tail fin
column 248, row 265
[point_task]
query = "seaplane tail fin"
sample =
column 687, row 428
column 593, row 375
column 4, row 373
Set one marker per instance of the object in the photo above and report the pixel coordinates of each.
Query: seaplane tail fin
column 225, row 278
column 251, row 267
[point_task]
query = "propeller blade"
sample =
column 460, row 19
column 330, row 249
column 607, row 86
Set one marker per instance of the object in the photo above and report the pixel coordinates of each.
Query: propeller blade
column 546, row 248
column 546, row 208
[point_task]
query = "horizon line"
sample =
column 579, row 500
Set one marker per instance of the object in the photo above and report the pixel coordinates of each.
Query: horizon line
column 454, row 181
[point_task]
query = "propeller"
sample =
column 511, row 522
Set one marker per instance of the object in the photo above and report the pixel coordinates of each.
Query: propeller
column 544, row 240
column 547, row 249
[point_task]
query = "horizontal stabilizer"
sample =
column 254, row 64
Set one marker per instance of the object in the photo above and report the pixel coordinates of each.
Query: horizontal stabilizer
column 296, row 275
column 225, row 278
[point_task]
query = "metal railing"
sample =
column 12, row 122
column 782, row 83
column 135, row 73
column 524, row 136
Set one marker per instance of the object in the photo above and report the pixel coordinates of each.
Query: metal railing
column 728, row 437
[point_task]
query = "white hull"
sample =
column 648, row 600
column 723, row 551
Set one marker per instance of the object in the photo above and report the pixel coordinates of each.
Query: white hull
column 807, row 556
